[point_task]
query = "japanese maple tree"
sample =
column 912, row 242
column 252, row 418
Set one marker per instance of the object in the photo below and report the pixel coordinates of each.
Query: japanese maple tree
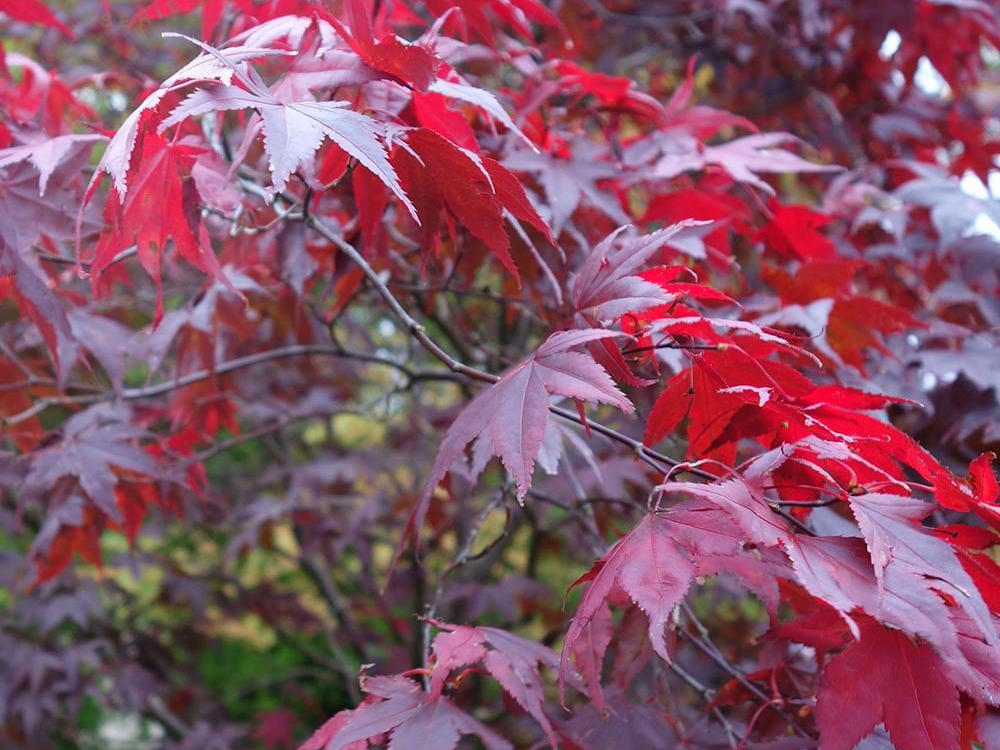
column 499, row 373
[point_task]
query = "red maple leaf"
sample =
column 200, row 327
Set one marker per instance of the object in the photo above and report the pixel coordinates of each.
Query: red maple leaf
column 412, row 719
column 162, row 203
column 508, row 419
column 294, row 130
column 34, row 11
column 478, row 191
column 411, row 63
column 211, row 13
column 511, row 660
column 647, row 566
column 886, row 677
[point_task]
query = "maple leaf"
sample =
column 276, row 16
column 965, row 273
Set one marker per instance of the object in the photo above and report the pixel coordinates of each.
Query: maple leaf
column 908, row 559
column 93, row 443
column 742, row 158
column 648, row 567
column 514, row 412
column 477, row 190
column 607, row 285
column 793, row 231
column 511, row 660
column 413, row 719
column 293, row 131
column 886, row 677
column 567, row 181
column 905, row 592
column 213, row 64
column 46, row 155
column 742, row 499
column 412, row 63
column 29, row 211
column 35, row 11
column 161, row 204
column 653, row 566
column 509, row 419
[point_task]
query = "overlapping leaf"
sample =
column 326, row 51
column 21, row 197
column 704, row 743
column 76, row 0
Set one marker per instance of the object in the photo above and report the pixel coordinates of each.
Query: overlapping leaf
column 160, row 204
column 477, row 191
column 411, row 63
column 219, row 65
column 511, row 660
column 294, row 130
column 745, row 159
column 886, row 677
column 608, row 284
column 412, row 719
column 648, row 567
column 511, row 415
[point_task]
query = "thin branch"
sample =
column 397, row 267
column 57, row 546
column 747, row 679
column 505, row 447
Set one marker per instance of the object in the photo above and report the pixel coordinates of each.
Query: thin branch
column 804, row 503
column 244, row 437
column 801, row 526
column 707, row 695
column 670, row 345
column 223, row 368
column 174, row 726
column 657, row 460
column 463, row 556
column 414, row 328
column 705, row 645
column 128, row 252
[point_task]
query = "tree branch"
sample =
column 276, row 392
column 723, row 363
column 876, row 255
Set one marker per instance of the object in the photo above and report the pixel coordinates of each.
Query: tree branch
column 128, row 252
column 238, row 363
column 657, row 460
column 705, row 645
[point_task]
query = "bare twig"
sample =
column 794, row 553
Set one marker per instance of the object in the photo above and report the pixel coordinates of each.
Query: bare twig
column 238, row 363
column 704, row 644
column 462, row 557
column 707, row 695
column 657, row 460
column 414, row 328
column 128, row 252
